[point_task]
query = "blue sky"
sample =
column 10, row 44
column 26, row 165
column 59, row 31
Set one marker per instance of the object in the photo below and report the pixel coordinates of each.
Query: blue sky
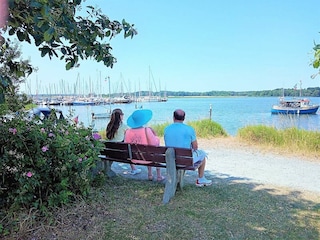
column 197, row 46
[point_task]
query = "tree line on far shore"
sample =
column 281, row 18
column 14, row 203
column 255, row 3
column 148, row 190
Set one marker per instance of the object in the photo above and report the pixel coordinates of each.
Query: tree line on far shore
column 307, row 92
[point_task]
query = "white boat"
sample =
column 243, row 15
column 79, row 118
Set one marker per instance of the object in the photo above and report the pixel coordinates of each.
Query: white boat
column 294, row 106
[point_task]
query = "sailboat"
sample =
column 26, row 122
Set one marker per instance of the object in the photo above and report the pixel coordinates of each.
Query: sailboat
column 294, row 106
column 106, row 114
column 153, row 98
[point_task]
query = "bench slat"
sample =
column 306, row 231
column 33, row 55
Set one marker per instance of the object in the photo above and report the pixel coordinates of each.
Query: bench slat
column 153, row 155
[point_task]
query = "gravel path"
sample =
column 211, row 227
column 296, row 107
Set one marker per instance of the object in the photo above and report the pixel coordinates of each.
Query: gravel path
column 235, row 161
column 230, row 159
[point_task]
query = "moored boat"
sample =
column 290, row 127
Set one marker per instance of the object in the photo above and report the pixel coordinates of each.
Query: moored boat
column 101, row 115
column 294, row 106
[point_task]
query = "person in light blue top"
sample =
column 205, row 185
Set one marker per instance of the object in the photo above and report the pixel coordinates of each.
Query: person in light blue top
column 181, row 135
column 116, row 130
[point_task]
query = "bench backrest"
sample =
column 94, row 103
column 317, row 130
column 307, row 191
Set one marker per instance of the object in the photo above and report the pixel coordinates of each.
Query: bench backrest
column 145, row 154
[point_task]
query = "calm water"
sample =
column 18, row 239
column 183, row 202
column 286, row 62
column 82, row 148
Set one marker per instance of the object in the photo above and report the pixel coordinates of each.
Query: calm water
column 231, row 113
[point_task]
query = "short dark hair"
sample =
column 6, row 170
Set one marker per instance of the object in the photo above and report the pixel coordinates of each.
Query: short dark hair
column 179, row 115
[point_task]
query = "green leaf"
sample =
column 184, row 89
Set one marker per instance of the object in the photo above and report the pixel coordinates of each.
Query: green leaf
column 48, row 34
column 44, row 51
column 20, row 36
column 63, row 51
column 68, row 66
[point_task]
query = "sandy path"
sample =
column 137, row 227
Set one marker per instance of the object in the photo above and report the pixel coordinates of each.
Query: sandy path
column 229, row 158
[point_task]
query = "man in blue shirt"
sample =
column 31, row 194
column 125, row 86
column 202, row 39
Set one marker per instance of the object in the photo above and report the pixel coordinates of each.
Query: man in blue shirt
column 181, row 135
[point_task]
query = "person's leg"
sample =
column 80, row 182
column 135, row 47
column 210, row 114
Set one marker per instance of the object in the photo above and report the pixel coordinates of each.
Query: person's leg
column 134, row 170
column 200, row 155
column 159, row 177
column 201, row 168
column 133, row 167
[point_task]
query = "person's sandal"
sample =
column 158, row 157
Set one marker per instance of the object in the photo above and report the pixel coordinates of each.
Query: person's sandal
column 160, row 179
column 150, row 177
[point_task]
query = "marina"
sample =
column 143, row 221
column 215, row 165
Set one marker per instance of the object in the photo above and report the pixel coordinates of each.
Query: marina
column 232, row 113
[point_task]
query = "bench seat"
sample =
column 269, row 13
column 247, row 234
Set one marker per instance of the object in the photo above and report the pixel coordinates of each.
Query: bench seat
column 175, row 160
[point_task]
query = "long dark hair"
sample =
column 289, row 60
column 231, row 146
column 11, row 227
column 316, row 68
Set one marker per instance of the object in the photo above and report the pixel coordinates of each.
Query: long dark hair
column 114, row 124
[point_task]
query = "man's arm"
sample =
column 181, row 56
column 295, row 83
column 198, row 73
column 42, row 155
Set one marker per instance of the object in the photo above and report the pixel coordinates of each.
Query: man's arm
column 194, row 145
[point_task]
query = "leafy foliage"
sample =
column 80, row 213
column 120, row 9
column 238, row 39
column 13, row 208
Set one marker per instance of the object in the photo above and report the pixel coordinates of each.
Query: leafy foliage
column 59, row 30
column 316, row 61
column 13, row 71
column 45, row 163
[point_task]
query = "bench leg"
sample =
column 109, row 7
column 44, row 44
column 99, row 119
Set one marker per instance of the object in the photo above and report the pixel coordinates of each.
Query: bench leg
column 180, row 175
column 107, row 169
column 172, row 179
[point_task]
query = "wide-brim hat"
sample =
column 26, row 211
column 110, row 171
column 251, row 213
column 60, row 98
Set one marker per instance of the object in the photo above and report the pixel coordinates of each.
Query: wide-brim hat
column 139, row 118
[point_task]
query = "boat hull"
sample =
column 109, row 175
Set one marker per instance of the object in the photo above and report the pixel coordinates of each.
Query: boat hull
column 306, row 110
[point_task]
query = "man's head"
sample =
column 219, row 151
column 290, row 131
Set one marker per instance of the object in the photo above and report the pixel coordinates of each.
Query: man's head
column 178, row 115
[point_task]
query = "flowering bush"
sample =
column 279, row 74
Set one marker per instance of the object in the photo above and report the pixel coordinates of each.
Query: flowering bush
column 45, row 164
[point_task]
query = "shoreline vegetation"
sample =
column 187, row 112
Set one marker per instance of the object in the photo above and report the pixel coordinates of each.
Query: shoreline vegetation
column 290, row 141
column 289, row 92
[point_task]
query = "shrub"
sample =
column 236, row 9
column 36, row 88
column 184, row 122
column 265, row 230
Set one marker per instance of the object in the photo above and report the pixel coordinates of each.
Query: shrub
column 45, row 163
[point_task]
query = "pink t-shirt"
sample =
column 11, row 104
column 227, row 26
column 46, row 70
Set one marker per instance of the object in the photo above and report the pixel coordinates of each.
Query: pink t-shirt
column 144, row 135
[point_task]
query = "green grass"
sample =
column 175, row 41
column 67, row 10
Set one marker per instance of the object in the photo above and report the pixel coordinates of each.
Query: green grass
column 293, row 139
column 132, row 209
column 204, row 128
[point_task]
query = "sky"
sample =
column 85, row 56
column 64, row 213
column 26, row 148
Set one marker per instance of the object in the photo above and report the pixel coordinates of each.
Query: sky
column 196, row 46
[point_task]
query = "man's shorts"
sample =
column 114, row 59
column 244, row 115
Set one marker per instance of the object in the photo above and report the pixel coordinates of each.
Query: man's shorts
column 198, row 155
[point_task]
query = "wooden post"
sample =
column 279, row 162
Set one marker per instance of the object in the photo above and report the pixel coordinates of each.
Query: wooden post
column 210, row 111
column 171, row 180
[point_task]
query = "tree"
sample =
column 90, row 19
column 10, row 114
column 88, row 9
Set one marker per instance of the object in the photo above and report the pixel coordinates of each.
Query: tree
column 13, row 71
column 58, row 29
column 316, row 61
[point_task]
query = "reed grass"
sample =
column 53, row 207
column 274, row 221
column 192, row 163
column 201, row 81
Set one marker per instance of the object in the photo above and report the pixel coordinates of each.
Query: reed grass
column 204, row 129
column 292, row 139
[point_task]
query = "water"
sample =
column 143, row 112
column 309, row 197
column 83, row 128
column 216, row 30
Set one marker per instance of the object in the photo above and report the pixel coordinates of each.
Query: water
column 231, row 113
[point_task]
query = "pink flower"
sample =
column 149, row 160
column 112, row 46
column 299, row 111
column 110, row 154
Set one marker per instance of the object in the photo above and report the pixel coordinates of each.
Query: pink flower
column 96, row 136
column 13, row 130
column 29, row 174
column 45, row 148
column 80, row 159
column 42, row 130
column 51, row 135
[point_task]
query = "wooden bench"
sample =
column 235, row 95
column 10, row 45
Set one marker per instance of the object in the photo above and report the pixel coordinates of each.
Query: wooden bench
column 175, row 160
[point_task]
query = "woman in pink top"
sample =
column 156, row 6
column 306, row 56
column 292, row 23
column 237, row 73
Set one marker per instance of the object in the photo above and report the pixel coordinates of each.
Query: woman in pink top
column 142, row 135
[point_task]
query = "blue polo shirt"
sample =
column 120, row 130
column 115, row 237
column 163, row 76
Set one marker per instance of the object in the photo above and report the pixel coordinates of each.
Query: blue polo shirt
column 179, row 135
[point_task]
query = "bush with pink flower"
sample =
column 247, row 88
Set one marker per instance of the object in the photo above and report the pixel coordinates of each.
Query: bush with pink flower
column 40, row 163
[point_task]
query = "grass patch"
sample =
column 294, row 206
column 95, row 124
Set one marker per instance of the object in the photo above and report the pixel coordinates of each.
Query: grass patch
column 290, row 139
column 204, row 128
column 132, row 209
